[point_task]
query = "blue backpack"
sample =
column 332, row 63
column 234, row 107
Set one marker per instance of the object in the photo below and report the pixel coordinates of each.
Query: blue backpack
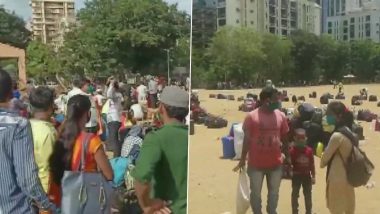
column 119, row 167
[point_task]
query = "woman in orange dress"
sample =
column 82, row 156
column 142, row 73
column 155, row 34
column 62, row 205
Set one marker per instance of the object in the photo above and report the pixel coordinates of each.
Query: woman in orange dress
column 66, row 153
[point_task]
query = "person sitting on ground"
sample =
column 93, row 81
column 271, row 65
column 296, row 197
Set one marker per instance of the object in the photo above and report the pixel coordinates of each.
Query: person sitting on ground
column 20, row 184
column 163, row 158
column 364, row 92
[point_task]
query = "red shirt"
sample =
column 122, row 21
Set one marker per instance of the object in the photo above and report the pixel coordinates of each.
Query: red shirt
column 265, row 130
column 302, row 161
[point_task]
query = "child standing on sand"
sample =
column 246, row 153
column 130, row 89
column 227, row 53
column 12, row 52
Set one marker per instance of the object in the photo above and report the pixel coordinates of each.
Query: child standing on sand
column 303, row 171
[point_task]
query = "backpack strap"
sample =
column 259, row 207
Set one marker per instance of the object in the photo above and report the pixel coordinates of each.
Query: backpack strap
column 84, row 144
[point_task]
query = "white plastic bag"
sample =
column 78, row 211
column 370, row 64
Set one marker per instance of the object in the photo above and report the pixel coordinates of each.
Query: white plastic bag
column 238, row 139
column 243, row 193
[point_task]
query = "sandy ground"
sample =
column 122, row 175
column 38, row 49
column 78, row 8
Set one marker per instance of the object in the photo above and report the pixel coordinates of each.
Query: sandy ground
column 213, row 185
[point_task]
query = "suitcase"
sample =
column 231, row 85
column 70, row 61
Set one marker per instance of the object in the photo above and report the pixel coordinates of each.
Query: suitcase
column 378, row 104
column 285, row 99
column 212, row 96
column 231, row 97
column 324, row 100
column 366, row 115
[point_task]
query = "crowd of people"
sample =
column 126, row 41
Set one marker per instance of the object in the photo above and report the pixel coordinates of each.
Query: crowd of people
column 46, row 134
column 271, row 142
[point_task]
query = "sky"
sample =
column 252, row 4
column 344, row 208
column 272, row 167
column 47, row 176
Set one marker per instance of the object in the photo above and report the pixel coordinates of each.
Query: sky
column 22, row 8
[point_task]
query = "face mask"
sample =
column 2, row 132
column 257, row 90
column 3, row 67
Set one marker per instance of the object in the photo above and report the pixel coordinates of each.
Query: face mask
column 90, row 89
column 330, row 119
column 300, row 143
column 273, row 106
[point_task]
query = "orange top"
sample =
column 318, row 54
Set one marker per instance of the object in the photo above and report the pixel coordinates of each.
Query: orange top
column 93, row 145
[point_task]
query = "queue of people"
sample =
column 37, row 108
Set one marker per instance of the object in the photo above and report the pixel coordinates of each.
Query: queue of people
column 41, row 159
column 271, row 142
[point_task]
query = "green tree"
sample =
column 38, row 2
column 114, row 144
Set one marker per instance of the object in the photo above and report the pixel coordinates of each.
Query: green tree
column 41, row 61
column 362, row 59
column 236, row 55
column 127, row 34
column 12, row 29
column 278, row 64
column 333, row 58
column 304, row 52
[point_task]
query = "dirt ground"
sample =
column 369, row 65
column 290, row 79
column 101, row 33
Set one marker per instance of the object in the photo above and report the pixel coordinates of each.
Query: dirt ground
column 213, row 185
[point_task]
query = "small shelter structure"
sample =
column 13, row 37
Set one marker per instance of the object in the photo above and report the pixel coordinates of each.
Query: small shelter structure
column 8, row 51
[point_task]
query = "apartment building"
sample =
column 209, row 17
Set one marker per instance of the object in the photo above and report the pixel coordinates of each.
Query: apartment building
column 204, row 22
column 279, row 17
column 50, row 18
column 350, row 20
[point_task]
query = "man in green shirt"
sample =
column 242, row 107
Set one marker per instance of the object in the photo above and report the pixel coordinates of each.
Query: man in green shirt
column 161, row 169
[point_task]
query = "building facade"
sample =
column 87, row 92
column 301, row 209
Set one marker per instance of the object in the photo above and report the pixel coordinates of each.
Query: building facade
column 279, row 17
column 204, row 22
column 350, row 20
column 49, row 17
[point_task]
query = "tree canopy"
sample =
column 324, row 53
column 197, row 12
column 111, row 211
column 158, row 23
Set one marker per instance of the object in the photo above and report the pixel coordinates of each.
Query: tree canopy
column 12, row 29
column 242, row 56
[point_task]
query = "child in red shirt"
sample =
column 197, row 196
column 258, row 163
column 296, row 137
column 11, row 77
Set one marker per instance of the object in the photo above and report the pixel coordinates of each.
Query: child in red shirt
column 302, row 159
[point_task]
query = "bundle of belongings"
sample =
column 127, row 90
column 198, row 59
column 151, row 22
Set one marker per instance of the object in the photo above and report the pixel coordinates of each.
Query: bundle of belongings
column 366, row 115
column 233, row 143
column 356, row 100
column 324, row 99
column 340, row 96
column 363, row 94
column 313, row 95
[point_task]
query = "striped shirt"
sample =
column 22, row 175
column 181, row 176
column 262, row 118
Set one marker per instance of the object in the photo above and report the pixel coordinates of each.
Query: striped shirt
column 19, row 184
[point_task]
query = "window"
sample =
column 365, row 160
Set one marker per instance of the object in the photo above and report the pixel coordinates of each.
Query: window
column 329, row 31
column 345, row 37
column 252, row 1
column 368, row 33
column 237, row 9
column 329, row 24
column 222, row 22
column 251, row 11
column 237, row 21
column 345, row 22
column 345, row 30
column 252, row 22
column 368, row 18
column 352, row 31
column 352, row 20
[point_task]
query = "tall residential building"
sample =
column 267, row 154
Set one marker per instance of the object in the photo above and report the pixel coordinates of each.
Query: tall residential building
column 279, row 17
column 204, row 22
column 350, row 20
column 47, row 19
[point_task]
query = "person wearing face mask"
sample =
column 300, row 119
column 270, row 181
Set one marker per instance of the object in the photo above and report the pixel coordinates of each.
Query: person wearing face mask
column 161, row 167
column 302, row 160
column 340, row 194
column 265, row 133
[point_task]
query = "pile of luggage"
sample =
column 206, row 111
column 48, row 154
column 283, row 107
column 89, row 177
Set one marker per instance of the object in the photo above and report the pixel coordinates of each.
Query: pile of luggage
column 222, row 96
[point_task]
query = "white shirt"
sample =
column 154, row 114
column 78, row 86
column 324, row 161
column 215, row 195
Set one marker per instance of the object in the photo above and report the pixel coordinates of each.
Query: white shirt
column 142, row 92
column 153, row 87
column 94, row 113
column 115, row 108
column 137, row 111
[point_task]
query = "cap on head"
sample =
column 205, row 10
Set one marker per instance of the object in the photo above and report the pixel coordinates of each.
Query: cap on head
column 175, row 96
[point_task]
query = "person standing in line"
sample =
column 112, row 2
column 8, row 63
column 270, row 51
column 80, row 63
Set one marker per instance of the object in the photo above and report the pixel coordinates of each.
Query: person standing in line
column 340, row 194
column 114, row 117
column 19, row 184
column 67, row 150
column 153, row 90
column 302, row 159
column 265, row 131
column 142, row 91
column 81, row 86
column 44, row 133
column 163, row 158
